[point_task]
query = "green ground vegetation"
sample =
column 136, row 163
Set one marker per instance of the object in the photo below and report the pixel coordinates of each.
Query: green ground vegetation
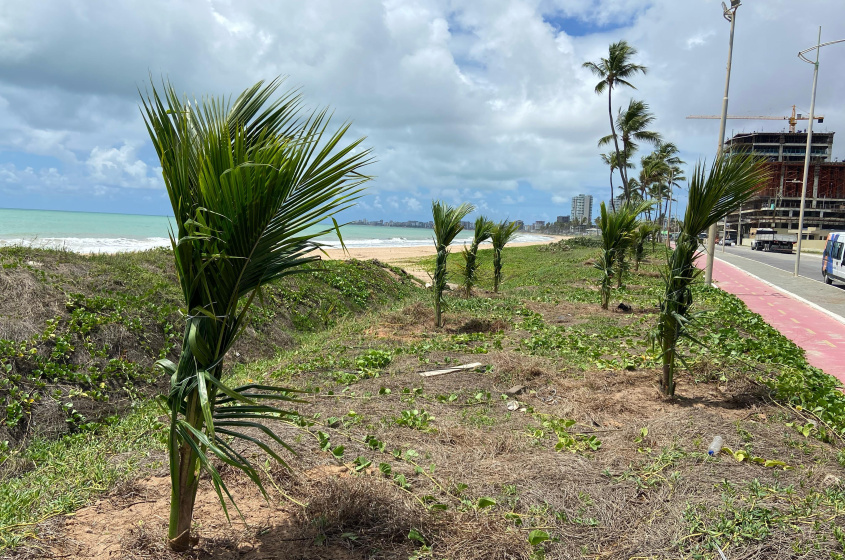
column 586, row 460
column 78, row 334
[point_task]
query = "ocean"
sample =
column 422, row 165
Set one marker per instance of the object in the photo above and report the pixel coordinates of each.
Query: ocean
column 88, row 232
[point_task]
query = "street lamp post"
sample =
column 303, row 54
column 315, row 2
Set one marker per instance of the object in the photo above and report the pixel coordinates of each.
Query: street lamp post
column 730, row 15
column 807, row 152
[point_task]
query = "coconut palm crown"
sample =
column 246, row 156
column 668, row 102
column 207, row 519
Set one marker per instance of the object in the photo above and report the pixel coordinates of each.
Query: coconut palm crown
column 631, row 125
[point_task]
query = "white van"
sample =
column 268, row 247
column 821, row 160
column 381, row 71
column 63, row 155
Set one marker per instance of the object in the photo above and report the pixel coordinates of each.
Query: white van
column 833, row 259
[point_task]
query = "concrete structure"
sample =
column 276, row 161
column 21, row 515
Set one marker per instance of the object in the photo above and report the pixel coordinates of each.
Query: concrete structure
column 782, row 146
column 619, row 201
column 779, row 201
column 582, row 207
column 562, row 220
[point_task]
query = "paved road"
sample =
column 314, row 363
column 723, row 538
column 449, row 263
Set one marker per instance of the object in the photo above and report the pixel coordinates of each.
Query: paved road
column 811, row 265
column 811, row 327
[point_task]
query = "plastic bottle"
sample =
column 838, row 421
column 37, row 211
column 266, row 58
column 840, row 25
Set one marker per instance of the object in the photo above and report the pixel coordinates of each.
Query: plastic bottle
column 715, row 446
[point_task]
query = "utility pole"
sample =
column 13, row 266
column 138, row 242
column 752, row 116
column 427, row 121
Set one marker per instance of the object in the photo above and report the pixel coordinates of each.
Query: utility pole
column 807, row 154
column 730, row 15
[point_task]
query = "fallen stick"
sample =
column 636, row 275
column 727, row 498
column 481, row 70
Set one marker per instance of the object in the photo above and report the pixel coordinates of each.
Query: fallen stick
column 449, row 370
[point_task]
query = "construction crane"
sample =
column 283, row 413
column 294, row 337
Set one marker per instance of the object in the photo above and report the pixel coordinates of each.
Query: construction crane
column 793, row 120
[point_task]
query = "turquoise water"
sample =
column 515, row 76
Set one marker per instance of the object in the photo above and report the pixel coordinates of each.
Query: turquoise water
column 88, row 232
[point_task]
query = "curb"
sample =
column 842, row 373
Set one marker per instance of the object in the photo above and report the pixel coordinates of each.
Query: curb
column 815, row 306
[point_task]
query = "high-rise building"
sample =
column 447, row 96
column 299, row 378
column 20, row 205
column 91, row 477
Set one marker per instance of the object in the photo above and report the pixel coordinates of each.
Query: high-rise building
column 582, row 207
column 618, row 202
column 777, row 203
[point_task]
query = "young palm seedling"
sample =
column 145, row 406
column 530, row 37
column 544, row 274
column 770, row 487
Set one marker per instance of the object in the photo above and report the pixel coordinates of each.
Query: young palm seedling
column 447, row 225
column 503, row 234
column 617, row 236
column 731, row 182
column 483, row 231
column 645, row 231
column 247, row 182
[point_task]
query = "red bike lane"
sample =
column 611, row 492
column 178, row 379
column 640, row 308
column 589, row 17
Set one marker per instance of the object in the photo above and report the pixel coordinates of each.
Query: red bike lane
column 821, row 336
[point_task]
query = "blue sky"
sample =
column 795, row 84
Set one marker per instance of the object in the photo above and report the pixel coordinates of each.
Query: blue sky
column 482, row 101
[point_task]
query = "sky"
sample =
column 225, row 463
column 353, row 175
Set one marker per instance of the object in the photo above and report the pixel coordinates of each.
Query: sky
column 483, row 101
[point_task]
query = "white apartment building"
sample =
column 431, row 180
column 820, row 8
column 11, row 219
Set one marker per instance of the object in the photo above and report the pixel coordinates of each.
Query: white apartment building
column 582, row 207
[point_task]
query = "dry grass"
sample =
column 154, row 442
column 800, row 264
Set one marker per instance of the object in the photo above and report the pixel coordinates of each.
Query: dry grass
column 649, row 490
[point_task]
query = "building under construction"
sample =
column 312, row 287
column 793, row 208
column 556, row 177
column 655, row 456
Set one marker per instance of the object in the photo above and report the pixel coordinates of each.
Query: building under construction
column 777, row 206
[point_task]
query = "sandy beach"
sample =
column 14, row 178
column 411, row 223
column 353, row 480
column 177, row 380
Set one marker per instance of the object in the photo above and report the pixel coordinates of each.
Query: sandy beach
column 404, row 257
column 395, row 255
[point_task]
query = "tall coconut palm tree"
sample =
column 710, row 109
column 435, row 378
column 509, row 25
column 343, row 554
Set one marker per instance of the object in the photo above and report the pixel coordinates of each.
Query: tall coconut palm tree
column 482, row 232
column 676, row 175
column 730, row 182
column 503, row 233
column 612, row 161
column 247, row 182
column 447, row 225
column 667, row 152
column 632, row 127
column 652, row 171
column 615, row 70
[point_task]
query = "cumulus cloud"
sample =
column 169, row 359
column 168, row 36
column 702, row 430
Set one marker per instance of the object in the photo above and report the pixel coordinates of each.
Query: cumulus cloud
column 120, row 167
column 464, row 100
column 411, row 204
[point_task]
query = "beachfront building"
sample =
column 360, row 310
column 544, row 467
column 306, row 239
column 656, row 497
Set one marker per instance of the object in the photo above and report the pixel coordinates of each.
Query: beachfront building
column 619, row 201
column 777, row 205
column 582, row 207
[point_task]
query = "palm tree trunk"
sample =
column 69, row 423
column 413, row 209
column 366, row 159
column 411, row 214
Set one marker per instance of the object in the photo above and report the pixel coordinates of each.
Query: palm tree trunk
column 439, row 285
column 619, row 159
column 497, row 269
column 667, row 380
column 612, row 203
column 669, row 216
column 658, row 213
column 183, row 462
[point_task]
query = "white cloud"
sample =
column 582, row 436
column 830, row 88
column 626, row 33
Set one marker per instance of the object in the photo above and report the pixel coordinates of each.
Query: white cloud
column 411, row 204
column 47, row 180
column 699, row 38
column 459, row 99
column 121, row 168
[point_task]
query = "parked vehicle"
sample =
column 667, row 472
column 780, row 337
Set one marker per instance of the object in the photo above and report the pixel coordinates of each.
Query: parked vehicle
column 768, row 240
column 833, row 260
column 730, row 241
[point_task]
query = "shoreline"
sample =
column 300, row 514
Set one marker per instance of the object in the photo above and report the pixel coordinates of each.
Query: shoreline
column 405, row 257
column 388, row 254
